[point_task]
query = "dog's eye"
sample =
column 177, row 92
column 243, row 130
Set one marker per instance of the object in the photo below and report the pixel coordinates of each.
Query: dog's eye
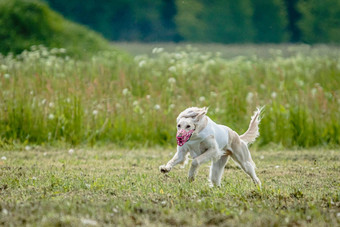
column 178, row 126
column 188, row 126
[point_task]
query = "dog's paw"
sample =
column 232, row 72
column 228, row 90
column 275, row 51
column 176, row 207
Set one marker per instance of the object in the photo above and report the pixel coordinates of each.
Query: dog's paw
column 164, row 169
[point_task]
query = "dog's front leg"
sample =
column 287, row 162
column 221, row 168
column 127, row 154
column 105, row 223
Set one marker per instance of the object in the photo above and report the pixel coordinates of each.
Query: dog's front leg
column 205, row 157
column 179, row 157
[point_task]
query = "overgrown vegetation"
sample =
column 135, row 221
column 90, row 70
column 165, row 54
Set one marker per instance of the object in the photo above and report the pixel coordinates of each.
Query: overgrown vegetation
column 47, row 98
column 24, row 23
column 124, row 188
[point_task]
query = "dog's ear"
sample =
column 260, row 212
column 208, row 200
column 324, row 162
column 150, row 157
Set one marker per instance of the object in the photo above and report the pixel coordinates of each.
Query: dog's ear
column 201, row 113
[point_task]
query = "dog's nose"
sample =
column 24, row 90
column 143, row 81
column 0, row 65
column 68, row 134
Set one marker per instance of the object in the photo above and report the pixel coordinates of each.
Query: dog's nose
column 179, row 133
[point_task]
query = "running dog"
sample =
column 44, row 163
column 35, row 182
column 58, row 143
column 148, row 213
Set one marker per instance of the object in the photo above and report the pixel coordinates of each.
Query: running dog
column 205, row 140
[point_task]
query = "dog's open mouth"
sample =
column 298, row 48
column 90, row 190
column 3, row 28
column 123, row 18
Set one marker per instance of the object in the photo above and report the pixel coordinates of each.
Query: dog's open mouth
column 183, row 136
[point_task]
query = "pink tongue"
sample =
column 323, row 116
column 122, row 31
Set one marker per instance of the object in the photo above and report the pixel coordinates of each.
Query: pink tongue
column 181, row 140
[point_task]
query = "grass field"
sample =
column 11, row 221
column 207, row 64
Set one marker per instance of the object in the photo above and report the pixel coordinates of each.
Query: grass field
column 112, row 107
column 110, row 186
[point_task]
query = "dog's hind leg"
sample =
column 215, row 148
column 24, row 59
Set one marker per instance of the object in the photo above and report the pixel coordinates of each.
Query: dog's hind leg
column 242, row 156
column 216, row 170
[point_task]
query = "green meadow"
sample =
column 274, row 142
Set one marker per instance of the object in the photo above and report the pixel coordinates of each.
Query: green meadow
column 81, row 139
column 49, row 98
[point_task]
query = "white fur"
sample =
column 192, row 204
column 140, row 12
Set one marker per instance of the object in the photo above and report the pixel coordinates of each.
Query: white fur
column 208, row 150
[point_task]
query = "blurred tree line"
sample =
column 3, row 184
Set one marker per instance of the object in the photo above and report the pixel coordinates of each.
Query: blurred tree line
column 259, row 21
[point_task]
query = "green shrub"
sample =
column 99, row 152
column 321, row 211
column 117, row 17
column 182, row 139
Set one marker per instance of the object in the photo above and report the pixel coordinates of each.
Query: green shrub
column 24, row 23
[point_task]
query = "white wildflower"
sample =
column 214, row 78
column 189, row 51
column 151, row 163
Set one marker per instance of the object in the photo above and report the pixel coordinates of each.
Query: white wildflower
column 157, row 50
column 3, row 158
column 261, row 157
column 86, row 221
column 300, row 83
column 273, row 95
column 45, row 153
column 7, row 76
column 68, row 100
column 211, row 62
column 51, row 104
column 34, row 178
column 249, row 98
column 54, row 51
column 49, row 62
column 51, row 116
column 160, row 49
column 287, row 219
column 135, row 103
column 31, row 92
column 276, row 167
column 88, row 186
column 4, row 67
column 27, row 148
column 43, row 101
column 171, row 80
column 115, row 210
column 172, row 69
column 202, row 99
column 157, row 107
column 148, row 96
column 178, row 56
column 62, row 50
column 95, row 112
column 71, row 151
column 213, row 94
column 163, row 203
column 4, row 211
column 314, row 90
column 141, row 63
column 125, row 91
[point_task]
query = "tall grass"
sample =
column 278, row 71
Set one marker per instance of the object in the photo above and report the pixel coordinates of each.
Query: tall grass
column 49, row 98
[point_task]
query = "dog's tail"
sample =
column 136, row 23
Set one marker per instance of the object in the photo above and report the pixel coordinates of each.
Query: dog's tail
column 253, row 130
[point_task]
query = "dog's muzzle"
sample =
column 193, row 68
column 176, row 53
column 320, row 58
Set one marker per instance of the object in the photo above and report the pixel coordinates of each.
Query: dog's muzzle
column 183, row 136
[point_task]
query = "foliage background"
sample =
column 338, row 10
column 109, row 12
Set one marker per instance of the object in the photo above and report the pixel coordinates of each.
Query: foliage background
column 259, row 21
column 24, row 23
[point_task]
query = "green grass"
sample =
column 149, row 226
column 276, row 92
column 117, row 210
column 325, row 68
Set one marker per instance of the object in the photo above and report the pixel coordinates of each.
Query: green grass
column 50, row 187
column 49, row 98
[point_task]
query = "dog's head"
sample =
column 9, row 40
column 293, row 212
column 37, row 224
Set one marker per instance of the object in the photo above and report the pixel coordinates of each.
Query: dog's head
column 187, row 123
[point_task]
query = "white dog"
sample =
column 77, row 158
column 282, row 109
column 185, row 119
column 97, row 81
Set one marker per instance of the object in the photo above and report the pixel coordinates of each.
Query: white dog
column 205, row 140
